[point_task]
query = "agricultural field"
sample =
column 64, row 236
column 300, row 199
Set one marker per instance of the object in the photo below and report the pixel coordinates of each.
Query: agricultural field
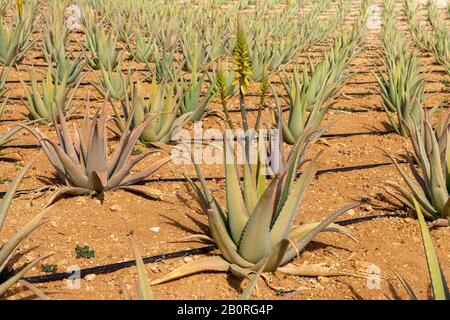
column 219, row 149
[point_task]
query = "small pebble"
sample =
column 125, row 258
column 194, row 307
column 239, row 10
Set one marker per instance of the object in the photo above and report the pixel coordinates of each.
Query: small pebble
column 90, row 277
column 188, row 259
column 115, row 207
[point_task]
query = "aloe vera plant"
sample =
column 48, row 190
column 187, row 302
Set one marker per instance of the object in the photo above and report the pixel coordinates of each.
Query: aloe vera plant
column 411, row 10
column 144, row 50
column 42, row 101
column 56, row 33
column 191, row 96
column 124, row 23
column 66, row 67
column 113, row 84
column 441, row 50
column 438, row 283
column 162, row 108
column 441, row 37
column 255, row 232
column 15, row 41
column 332, row 73
column 102, row 46
column 433, row 16
column 81, row 160
column 8, row 249
column 402, row 88
column 264, row 57
column 304, row 115
column 321, row 82
column 194, row 52
column 307, row 94
column 164, row 68
column 432, row 186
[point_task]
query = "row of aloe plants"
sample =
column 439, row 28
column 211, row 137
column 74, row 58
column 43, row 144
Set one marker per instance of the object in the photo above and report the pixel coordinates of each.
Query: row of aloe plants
column 401, row 82
column 403, row 93
column 252, row 240
column 101, row 52
column 310, row 91
column 435, row 42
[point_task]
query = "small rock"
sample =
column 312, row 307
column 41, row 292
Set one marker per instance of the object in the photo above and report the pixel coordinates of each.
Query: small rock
column 115, row 207
column 188, row 259
column 155, row 229
column 90, row 277
column 351, row 212
column 54, row 224
column 367, row 207
column 409, row 220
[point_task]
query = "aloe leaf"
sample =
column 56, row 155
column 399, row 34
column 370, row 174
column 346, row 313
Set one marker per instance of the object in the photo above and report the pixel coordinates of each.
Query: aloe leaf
column 41, row 295
column 7, row 199
column 214, row 263
column 11, row 245
column 284, row 221
column 297, row 233
column 224, row 242
column 11, row 281
column 143, row 284
column 255, row 242
column 440, row 289
column 406, row 285
column 246, row 294
column 249, row 186
column 236, row 210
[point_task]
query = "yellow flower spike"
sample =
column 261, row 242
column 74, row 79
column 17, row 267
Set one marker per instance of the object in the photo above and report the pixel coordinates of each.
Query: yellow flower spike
column 241, row 57
column 20, row 8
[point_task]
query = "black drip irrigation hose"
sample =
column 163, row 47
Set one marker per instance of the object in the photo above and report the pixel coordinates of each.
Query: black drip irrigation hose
column 329, row 135
column 117, row 266
column 24, row 146
column 196, row 179
column 108, row 268
column 319, row 173
column 360, row 167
